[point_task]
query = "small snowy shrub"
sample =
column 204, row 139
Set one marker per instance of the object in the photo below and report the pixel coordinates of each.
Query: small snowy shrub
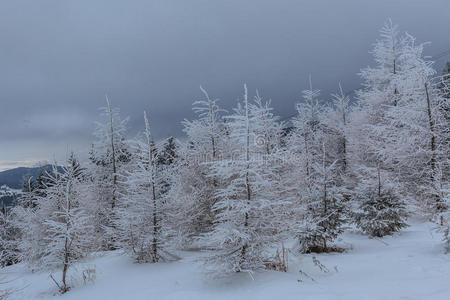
column 381, row 212
column 323, row 223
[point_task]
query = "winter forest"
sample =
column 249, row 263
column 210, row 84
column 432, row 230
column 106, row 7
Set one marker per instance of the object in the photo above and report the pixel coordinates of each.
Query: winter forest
column 244, row 192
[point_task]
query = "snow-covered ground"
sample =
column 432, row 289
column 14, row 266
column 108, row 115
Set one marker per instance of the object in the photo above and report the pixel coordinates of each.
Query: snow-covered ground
column 408, row 265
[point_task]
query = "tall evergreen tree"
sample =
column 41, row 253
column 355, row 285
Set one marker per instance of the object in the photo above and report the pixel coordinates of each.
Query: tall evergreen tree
column 142, row 214
column 192, row 188
column 324, row 213
column 109, row 156
column 57, row 231
column 245, row 223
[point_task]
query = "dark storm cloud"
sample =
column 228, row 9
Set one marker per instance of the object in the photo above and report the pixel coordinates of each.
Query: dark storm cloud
column 59, row 58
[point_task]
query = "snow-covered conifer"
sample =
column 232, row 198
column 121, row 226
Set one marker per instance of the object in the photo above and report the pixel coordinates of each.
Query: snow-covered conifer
column 419, row 145
column 373, row 133
column 324, row 211
column 381, row 209
column 109, row 158
column 58, row 230
column 245, row 222
column 9, row 237
column 142, row 217
column 68, row 227
column 336, row 129
column 304, row 142
column 192, row 189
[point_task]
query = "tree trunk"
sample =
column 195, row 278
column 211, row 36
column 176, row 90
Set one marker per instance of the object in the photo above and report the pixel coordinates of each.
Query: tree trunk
column 395, row 72
column 113, row 204
column 64, row 287
column 344, row 142
column 433, row 136
column 379, row 182
column 247, row 180
column 113, row 154
column 155, row 227
column 439, row 205
column 155, row 217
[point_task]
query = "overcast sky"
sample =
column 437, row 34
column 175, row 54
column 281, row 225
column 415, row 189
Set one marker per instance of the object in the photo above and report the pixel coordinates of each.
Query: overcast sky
column 58, row 58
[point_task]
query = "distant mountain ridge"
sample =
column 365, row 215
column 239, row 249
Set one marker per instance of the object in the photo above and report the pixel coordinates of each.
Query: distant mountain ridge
column 13, row 178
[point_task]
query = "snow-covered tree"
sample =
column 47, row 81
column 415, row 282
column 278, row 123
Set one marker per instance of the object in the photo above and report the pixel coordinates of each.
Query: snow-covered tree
column 336, row 129
column 381, row 80
column 399, row 125
column 419, row 145
column 192, row 189
column 69, row 230
column 372, row 131
column 245, row 223
column 142, row 216
column 109, row 158
column 267, row 129
column 323, row 215
column 444, row 91
column 304, row 142
column 311, row 174
column 444, row 84
column 9, row 236
column 381, row 209
column 28, row 217
column 58, row 231
column 167, row 153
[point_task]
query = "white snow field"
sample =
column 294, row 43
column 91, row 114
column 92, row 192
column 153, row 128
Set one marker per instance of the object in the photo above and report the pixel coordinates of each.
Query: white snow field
column 408, row 265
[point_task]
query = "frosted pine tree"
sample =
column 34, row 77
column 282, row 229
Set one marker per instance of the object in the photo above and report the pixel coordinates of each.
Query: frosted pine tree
column 68, row 227
column 57, row 231
column 381, row 209
column 303, row 144
column 418, row 130
column 29, row 218
column 9, row 237
column 16, row 220
column 373, row 133
column 324, row 213
column 336, row 120
column 193, row 191
column 376, row 130
column 142, row 216
column 245, row 224
column 307, row 124
column 381, row 81
column 109, row 158
column 168, row 155
column 444, row 91
column 307, row 168
column 267, row 129
column 29, row 191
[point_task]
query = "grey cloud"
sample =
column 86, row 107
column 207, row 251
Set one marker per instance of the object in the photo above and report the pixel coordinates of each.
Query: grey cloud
column 59, row 58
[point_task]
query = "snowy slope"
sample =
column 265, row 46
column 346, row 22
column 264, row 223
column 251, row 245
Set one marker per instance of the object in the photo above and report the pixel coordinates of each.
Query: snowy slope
column 408, row 265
